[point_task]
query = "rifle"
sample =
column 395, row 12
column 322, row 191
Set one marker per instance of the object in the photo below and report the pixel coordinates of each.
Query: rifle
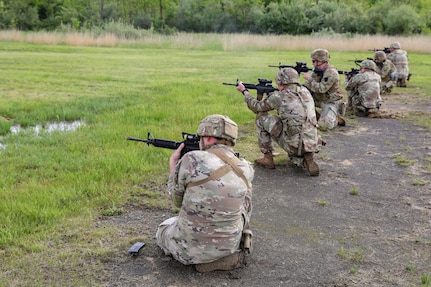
column 300, row 67
column 191, row 142
column 385, row 49
column 350, row 73
column 263, row 87
column 358, row 62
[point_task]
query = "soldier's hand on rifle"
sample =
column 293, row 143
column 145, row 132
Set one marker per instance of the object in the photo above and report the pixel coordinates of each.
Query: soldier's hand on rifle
column 260, row 92
column 240, row 87
column 306, row 76
column 175, row 157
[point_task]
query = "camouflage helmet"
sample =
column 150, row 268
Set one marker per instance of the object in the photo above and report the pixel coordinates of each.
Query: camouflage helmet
column 368, row 64
column 219, row 126
column 321, row 55
column 380, row 55
column 395, row 45
column 287, row 76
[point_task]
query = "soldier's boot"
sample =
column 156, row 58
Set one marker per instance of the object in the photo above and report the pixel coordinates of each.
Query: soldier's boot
column 403, row 83
column 310, row 165
column 373, row 113
column 227, row 263
column 341, row 121
column 267, row 161
column 398, row 82
column 360, row 111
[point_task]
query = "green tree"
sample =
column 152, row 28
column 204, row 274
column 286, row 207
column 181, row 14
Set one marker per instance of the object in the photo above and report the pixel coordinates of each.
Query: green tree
column 402, row 20
column 318, row 14
column 255, row 16
column 285, row 18
column 347, row 19
column 20, row 14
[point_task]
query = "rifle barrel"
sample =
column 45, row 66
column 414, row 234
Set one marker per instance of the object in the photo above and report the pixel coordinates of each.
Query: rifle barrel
column 137, row 139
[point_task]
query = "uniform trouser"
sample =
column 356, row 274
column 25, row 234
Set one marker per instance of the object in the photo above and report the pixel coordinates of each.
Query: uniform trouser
column 328, row 115
column 359, row 108
column 399, row 76
column 386, row 87
column 269, row 128
column 163, row 237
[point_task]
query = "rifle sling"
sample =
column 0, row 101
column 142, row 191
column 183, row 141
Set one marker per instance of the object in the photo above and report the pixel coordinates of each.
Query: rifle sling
column 221, row 171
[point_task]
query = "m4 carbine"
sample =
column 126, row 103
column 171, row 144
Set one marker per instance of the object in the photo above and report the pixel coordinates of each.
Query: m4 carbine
column 263, row 87
column 300, row 67
column 191, row 142
column 349, row 74
column 358, row 62
column 385, row 49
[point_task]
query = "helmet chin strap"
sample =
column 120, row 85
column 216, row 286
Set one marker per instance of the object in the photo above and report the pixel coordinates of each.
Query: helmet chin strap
column 321, row 63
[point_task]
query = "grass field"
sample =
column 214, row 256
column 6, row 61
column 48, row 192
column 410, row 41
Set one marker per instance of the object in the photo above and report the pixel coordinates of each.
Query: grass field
column 53, row 184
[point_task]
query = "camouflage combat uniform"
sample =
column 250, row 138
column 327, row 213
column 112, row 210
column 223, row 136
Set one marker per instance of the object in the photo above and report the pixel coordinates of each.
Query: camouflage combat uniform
column 385, row 70
column 213, row 214
column 295, row 129
column 365, row 89
column 327, row 94
column 400, row 59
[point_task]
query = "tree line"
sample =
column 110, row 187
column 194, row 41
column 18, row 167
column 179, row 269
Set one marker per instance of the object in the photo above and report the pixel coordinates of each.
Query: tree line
column 387, row 17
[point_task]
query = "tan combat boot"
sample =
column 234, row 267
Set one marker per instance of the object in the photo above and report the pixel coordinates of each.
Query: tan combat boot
column 227, row 263
column 341, row 121
column 267, row 161
column 310, row 165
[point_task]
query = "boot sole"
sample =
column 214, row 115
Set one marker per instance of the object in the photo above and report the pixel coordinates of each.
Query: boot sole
column 266, row 166
column 227, row 263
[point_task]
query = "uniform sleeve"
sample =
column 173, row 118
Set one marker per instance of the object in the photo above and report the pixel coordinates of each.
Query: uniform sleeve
column 353, row 82
column 248, row 170
column 271, row 102
column 178, row 180
column 329, row 79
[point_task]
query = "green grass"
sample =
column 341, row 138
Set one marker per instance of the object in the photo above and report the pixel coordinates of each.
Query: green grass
column 53, row 185
column 322, row 202
column 356, row 255
column 354, row 191
column 402, row 160
column 426, row 280
column 418, row 182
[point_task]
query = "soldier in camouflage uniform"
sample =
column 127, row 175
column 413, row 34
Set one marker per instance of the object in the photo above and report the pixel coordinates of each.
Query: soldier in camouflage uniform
column 212, row 188
column 385, row 68
column 400, row 59
column 295, row 127
column 365, row 89
column 324, row 85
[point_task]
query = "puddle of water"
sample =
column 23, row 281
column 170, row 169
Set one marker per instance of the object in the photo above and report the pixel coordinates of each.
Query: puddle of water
column 50, row 127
